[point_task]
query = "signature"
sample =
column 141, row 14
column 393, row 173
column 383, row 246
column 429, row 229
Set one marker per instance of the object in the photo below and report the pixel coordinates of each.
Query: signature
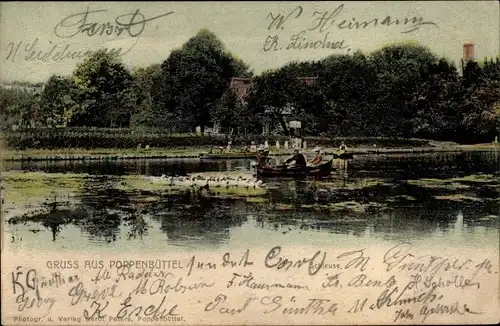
column 85, row 23
column 400, row 258
column 314, row 263
column 312, row 32
column 78, row 294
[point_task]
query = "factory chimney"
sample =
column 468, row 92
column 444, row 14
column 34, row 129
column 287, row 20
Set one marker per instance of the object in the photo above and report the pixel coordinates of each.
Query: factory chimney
column 468, row 52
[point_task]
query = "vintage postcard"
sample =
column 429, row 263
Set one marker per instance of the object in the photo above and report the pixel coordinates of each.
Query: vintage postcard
column 234, row 163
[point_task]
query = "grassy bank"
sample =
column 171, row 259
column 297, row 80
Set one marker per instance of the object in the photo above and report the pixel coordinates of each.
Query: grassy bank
column 193, row 152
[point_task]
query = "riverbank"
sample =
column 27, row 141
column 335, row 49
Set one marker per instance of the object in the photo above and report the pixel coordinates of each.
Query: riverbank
column 106, row 154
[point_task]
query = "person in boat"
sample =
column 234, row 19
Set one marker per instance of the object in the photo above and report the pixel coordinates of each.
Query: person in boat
column 343, row 147
column 261, row 157
column 317, row 158
column 298, row 158
column 253, row 147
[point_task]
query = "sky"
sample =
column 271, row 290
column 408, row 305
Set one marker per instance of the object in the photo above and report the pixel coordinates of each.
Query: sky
column 39, row 39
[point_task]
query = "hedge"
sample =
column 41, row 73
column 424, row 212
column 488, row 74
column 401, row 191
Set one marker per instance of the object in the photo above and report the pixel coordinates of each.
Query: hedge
column 127, row 138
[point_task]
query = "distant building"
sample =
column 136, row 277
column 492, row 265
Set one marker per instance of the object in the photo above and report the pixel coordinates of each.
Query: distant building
column 34, row 88
column 468, row 55
column 241, row 86
column 468, row 52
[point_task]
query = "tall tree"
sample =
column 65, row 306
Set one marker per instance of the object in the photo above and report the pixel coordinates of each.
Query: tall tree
column 399, row 69
column 435, row 103
column 347, row 82
column 103, row 92
column 195, row 77
column 57, row 100
column 481, row 102
column 143, row 86
column 274, row 94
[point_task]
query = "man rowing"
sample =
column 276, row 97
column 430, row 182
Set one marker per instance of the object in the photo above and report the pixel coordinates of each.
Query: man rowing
column 298, row 158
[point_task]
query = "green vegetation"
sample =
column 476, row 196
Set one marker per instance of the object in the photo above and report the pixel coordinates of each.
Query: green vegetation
column 71, row 139
column 400, row 91
column 465, row 182
column 24, row 187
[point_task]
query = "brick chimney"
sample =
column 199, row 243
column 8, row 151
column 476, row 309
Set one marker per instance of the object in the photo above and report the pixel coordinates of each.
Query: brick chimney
column 468, row 52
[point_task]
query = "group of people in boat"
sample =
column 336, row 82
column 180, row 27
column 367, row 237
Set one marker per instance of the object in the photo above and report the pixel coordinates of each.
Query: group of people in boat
column 298, row 159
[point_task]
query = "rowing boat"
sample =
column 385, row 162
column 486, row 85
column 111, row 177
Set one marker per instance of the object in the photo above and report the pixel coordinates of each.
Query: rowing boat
column 322, row 169
column 343, row 155
column 230, row 155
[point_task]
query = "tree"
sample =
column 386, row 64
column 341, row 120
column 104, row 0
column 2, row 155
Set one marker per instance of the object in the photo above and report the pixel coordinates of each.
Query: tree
column 435, row 104
column 231, row 112
column 481, row 100
column 57, row 100
column 275, row 93
column 103, row 92
column 19, row 108
column 399, row 70
column 143, row 84
column 195, row 77
column 347, row 82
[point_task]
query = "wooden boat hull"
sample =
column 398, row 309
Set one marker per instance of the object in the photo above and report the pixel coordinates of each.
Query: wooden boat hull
column 227, row 156
column 285, row 172
column 343, row 155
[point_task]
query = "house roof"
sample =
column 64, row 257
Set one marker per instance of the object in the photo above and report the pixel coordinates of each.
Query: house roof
column 241, row 85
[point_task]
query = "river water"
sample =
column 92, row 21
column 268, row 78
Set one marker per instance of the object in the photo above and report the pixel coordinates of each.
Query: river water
column 442, row 200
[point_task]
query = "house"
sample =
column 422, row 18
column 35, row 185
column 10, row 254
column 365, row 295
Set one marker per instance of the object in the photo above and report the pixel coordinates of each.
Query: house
column 241, row 86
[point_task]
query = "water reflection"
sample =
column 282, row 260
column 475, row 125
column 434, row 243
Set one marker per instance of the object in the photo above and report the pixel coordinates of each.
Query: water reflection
column 372, row 198
column 122, row 167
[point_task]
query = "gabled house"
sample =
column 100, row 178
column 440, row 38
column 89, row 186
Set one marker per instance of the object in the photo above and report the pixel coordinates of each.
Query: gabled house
column 241, row 86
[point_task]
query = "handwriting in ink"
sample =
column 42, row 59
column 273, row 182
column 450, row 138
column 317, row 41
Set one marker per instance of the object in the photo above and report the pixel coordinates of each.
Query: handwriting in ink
column 81, row 23
column 455, row 308
column 220, row 299
column 273, row 260
column 152, row 310
column 243, row 262
column 98, row 311
column 399, row 257
column 314, row 306
column 324, row 20
column 278, row 20
column 249, row 281
column 27, row 286
column 357, row 259
column 79, row 294
column 199, row 265
column 403, row 314
column 166, row 285
column 55, row 52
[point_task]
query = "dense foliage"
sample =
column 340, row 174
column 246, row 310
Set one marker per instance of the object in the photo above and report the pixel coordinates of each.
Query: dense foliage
column 131, row 138
column 401, row 90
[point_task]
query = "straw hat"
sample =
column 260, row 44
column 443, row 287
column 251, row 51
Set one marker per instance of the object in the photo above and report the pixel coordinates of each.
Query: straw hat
column 317, row 149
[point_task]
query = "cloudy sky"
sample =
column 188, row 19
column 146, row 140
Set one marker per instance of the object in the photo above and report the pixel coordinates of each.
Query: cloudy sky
column 45, row 38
